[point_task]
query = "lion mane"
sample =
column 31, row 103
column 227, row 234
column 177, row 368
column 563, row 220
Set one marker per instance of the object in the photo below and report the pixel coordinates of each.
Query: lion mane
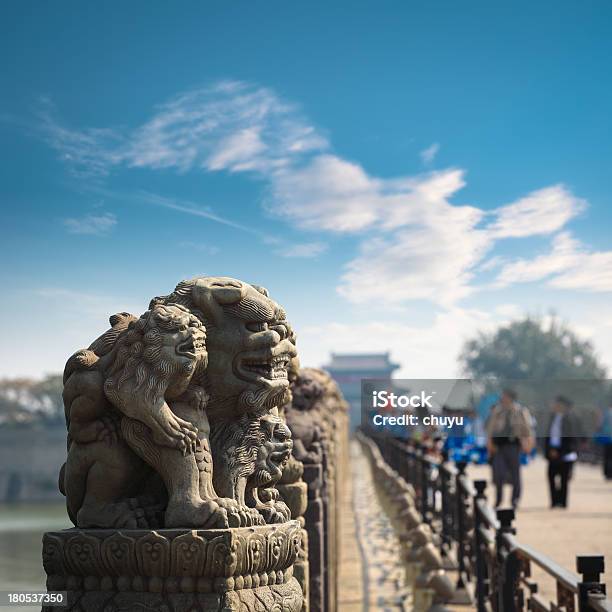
column 139, row 361
column 130, row 362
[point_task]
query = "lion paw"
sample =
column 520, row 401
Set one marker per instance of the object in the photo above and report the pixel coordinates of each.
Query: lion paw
column 239, row 515
column 275, row 513
column 170, row 430
column 202, row 514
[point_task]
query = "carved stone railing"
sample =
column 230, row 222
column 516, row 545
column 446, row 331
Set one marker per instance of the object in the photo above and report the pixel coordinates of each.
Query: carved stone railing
column 201, row 462
column 318, row 420
column 247, row 568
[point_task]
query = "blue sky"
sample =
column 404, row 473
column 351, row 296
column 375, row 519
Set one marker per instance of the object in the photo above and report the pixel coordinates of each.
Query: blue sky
column 398, row 174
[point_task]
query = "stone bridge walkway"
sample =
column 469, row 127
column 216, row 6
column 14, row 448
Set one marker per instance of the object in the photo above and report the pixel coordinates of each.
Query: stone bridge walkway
column 370, row 575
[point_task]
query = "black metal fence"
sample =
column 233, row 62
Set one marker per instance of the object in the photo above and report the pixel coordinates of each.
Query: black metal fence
column 494, row 569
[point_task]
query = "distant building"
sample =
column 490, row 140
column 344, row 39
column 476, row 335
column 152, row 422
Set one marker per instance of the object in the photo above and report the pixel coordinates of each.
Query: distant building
column 348, row 370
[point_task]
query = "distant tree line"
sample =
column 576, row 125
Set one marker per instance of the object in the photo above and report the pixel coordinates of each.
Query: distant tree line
column 26, row 402
column 540, row 358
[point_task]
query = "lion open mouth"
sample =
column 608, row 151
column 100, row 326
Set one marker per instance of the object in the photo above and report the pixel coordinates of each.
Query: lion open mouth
column 271, row 369
column 192, row 347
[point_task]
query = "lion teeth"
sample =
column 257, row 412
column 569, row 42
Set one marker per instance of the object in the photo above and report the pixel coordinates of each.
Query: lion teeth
column 273, row 368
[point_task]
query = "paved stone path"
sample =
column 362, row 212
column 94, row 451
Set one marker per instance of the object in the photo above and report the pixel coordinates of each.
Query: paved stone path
column 350, row 575
column 374, row 552
column 583, row 528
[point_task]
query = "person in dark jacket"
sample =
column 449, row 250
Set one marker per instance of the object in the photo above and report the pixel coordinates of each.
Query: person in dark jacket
column 561, row 450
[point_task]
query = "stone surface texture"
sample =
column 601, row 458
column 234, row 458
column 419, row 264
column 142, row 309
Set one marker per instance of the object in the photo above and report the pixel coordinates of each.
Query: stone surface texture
column 201, row 460
column 318, row 419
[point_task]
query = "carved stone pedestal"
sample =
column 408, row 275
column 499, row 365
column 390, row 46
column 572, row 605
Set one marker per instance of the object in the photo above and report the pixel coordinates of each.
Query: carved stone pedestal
column 176, row 570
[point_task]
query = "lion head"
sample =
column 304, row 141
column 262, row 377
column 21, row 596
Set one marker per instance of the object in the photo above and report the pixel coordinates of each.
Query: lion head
column 307, row 390
column 157, row 355
column 251, row 452
column 273, row 453
column 250, row 344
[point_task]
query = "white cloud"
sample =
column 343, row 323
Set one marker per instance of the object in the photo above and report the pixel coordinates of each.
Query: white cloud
column 433, row 261
column 568, row 265
column 592, row 272
column 328, row 193
column 418, row 245
column 428, row 351
column 95, row 225
column 509, row 311
column 491, row 263
column 414, row 241
column 238, row 151
column 429, row 154
column 541, row 212
column 441, row 247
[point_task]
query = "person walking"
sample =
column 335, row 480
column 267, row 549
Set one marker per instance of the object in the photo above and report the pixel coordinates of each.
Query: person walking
column 509, row 431
column 560, row 449
column 605, row 437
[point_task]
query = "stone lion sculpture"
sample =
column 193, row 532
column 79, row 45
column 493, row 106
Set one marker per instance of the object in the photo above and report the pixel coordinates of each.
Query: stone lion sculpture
column 139, row 366
column 210, row 359
column 308, row 392
column 257, row 449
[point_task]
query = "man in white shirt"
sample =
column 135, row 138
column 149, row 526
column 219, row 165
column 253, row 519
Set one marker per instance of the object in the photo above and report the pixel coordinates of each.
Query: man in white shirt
column 560, row 449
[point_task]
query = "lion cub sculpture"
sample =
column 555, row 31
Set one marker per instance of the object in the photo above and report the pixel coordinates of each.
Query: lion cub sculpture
column 142, row 400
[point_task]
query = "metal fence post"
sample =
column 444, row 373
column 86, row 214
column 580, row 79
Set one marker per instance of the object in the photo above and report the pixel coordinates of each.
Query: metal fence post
column 405, row 467
column 481, row 584
column 412, row 466
column 424, row 469
column 589, row 588
column 508, row 564
column 446, row 509
column 461, row 526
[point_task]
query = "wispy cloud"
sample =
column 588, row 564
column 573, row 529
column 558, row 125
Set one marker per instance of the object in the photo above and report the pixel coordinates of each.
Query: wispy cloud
column 87, row 152
column 429, row 154
column 415, row 241
column 541, row 212
column 231, row 126
column 568, row 265
column 491, row 263
column 192, row 208
column 434, row 262
column 95, row 225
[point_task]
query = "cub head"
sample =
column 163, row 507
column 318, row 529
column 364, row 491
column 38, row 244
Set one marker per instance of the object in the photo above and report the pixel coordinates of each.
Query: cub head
column 158, row 354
